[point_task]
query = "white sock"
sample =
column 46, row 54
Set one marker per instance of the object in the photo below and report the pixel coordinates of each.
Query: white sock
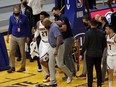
column 110, row 83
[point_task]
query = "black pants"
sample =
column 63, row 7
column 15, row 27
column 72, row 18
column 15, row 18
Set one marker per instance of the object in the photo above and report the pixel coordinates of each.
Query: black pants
column 91, row 61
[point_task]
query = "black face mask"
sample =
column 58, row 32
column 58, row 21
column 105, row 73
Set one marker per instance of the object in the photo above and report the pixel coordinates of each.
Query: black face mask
column 47, row 27
column 16, row 14
column 25, row 3
column 85, row 24
column 56, row 16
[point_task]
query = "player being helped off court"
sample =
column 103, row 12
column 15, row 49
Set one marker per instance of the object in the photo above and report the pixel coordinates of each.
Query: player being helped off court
column 44, row 45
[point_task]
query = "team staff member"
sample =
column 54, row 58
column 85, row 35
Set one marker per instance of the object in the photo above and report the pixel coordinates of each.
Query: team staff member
column 94, row 45
column 56, row 51
column 68, row 39
column 27, row 10
column 111, row 51
column 19, row 30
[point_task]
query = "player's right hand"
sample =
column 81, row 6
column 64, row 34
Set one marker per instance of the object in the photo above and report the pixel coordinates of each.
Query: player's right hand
column 7, row 39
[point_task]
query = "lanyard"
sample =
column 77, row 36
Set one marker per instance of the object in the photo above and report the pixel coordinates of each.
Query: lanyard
column 17, row 21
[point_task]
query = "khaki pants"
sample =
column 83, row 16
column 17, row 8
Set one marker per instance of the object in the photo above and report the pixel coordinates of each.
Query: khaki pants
column 59, row 60
column 13, row 45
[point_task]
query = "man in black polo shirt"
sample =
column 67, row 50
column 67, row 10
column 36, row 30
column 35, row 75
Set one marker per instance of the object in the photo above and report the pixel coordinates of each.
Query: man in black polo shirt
column 66, row 30
column 94, row 45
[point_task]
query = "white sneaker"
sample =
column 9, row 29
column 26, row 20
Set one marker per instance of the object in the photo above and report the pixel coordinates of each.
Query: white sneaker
column 39, row 70
column 69, row 79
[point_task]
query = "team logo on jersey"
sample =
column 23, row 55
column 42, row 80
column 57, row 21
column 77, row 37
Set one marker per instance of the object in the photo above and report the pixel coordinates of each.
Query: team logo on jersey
column 79, row 3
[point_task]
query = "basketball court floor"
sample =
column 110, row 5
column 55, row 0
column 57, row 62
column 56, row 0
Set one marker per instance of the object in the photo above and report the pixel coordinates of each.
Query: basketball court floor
column 31, row 77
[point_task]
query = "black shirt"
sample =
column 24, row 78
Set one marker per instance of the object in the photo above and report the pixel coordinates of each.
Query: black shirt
column 29, row 13
column 94, row 43
column 68, row 32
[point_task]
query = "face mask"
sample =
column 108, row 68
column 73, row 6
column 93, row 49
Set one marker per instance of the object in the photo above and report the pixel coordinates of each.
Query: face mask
column 25, row 3
column 16, row 14
column 56, row 16
column 47, row 27
column 85, row 24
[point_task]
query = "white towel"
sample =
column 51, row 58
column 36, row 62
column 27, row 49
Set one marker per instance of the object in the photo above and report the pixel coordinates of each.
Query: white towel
column 34, row 49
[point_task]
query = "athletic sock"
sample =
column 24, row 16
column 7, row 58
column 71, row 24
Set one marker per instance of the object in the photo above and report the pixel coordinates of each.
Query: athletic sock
column 110, row 83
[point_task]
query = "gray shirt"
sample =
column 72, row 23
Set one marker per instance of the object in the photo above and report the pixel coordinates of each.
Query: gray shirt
column 53, row 33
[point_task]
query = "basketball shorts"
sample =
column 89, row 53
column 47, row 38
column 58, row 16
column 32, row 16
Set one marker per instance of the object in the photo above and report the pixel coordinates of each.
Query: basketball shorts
column 111, row 62
column 43, row 50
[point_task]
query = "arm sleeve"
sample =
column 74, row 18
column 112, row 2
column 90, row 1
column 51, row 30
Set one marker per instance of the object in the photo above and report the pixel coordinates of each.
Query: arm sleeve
column 10, row 26
column 65, row 20
column 28, row 27
column 32, row 18
column 56, row 32
column 36, row 33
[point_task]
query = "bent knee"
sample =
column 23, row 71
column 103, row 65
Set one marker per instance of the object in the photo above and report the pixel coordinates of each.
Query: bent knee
column 41, row 61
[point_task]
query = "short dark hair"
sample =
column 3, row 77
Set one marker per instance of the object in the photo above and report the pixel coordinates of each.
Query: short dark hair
column 87, row 18
column 94, row 22
column 55, row 8
column 16, row 6
column 45, row 14
column 110, row 26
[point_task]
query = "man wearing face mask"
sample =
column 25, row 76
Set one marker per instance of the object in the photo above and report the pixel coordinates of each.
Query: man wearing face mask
column 19, row 30
column 86, row 20
column 25, row 9
column 66, row 31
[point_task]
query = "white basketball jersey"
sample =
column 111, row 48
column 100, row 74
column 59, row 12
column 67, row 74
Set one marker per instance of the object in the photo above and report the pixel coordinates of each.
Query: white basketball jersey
column 43, row 32
column 111, row 45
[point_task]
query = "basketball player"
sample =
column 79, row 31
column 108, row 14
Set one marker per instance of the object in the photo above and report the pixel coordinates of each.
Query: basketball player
column 44, row 45
column 111, row 52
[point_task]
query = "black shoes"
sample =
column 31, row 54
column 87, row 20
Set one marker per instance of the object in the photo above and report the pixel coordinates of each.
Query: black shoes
column 12, row 69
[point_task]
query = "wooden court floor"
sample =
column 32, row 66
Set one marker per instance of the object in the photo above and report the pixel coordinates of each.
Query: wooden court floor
column 30, row 78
